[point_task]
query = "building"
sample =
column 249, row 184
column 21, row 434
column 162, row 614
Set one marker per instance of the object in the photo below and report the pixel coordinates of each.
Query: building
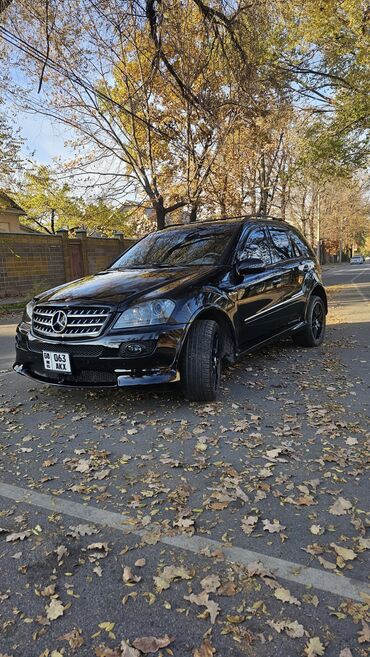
column 10, row 213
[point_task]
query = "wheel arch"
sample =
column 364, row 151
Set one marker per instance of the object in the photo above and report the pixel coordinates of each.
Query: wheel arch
column 227, row 330
column 319, row 291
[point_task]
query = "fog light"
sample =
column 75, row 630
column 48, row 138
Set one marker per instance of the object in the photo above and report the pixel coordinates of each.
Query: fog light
column 132, row 349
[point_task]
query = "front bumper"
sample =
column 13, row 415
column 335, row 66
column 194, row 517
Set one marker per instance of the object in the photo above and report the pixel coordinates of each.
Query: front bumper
column 104, row 362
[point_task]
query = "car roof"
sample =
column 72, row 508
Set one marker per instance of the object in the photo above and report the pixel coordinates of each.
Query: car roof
column 245, row 219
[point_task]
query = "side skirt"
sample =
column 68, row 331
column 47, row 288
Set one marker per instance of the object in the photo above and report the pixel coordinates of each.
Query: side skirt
column 274, row 338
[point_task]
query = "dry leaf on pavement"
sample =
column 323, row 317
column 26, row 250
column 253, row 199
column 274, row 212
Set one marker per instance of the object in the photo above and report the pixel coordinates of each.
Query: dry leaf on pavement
column 249, row 524
column 202, row 600
column 364, row 633
column 340, row 507
column 314, row 647
column 285, row 596
column 151, row 644
column 272, row 527
column 127, row 651
column 168, row 575
column 210, row 583
column 54, row 609
column 74, row 638
column 345, row 553
column 292, row 628
column 18, row 536
column 205, row 650
column 128, row 576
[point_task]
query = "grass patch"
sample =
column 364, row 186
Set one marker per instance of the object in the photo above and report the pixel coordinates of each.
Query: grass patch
column 9, row 308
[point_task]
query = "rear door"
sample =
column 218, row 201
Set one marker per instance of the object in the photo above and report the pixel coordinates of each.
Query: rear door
column 256, row 294
column 287, row 262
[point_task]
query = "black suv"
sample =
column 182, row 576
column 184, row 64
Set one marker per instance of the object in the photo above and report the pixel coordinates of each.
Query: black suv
column 175, row 306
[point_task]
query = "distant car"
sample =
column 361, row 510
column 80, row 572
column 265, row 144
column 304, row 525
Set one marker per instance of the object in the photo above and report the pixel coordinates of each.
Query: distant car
column 176, row 305
column 357, row 260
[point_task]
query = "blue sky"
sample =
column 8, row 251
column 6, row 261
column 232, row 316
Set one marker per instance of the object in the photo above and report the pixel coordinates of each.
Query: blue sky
column 43, row 137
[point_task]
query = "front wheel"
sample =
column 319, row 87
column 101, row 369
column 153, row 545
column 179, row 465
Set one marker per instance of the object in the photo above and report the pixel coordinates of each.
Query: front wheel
column 313, row 333
column 200, row 368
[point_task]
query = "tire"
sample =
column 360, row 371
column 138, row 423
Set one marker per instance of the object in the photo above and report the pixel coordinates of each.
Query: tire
column 314, row 332
column 200, row 368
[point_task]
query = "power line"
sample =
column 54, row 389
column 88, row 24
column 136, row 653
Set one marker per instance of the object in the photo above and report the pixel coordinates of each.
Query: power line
column 41, row 57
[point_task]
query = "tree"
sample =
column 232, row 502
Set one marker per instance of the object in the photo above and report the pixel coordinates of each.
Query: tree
column 10, row 144
column 191, row 106
column 48, row 203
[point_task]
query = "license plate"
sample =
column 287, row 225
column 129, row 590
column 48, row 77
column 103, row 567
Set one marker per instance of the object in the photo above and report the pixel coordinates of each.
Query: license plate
column 57, row 362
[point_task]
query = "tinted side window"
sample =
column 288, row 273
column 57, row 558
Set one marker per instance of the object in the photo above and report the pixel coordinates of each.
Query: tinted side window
column 300, row 247
column 282, row 248
column 256, row 246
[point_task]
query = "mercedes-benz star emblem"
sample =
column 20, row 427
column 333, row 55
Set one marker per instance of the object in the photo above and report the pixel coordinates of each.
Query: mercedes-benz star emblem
column 59, row 321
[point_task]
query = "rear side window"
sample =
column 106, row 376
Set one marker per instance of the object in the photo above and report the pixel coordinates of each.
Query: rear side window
column 282, row 247
column 301, row 248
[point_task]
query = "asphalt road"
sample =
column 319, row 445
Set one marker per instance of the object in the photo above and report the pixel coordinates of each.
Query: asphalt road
column 187, row 496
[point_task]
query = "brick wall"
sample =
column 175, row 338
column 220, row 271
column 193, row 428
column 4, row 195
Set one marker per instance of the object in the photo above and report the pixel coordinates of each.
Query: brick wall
column 32, row 263
column 29, row 263
column 101, row 252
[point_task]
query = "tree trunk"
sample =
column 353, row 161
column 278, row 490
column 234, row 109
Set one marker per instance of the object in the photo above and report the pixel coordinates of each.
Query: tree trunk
column 160, row 213
column 193, row 213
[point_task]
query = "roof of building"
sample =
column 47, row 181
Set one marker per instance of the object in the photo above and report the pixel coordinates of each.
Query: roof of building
column 7, row 204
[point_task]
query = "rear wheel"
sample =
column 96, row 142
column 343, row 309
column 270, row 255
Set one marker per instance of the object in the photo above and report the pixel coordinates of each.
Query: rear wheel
column 200, row 368
column 313, row 333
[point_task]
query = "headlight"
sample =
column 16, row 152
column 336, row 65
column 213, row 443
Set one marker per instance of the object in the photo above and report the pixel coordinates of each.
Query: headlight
column 146, row 314
column 28, row 311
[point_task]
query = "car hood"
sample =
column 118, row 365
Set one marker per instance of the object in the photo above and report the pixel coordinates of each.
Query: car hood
column 116, row 286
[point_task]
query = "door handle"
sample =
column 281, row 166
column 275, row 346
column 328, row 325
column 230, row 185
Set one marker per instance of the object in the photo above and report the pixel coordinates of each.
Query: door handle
column 277, row 281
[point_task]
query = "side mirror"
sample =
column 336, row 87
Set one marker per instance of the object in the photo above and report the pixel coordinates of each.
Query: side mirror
column 250, row 266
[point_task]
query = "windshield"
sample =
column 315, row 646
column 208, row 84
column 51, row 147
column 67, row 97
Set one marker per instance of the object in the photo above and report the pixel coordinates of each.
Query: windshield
column 187, row 246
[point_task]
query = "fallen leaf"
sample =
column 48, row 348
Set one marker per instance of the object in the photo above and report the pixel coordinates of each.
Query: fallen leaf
column 151, row 644
column 74, row 638
column 345, row 553
column 292, row 628
column 364, row 634
column 140, row 563
column 211, row 583
column 340, row 507
column 205, row 650
column 314, row 647
column 202, row 600
column 128, row 577
column 345, row 653
column 272, row 527
column 249, row 524
column 127, row 651
column 316, row 530
column 81, row 530
column 54, row 609
column 327, row 564
column 168, row 575
column 18, row 536
column 285, row 596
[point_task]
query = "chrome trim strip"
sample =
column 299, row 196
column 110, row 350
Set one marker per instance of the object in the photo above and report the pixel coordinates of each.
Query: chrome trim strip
column 273, row 308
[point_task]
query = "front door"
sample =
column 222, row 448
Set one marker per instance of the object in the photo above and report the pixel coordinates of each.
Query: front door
column 256, row 294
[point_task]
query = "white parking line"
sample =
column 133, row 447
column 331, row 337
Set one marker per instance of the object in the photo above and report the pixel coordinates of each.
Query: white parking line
column 339, row 585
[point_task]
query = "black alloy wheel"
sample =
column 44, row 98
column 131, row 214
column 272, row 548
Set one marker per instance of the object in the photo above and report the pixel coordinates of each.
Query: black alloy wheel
column 314, row 332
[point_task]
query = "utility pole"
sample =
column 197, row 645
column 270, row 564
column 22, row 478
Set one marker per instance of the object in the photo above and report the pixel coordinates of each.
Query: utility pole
column 318, row 249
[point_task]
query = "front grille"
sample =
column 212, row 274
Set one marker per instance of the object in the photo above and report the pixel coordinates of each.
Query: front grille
column 80, row 350
column 82, row 321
